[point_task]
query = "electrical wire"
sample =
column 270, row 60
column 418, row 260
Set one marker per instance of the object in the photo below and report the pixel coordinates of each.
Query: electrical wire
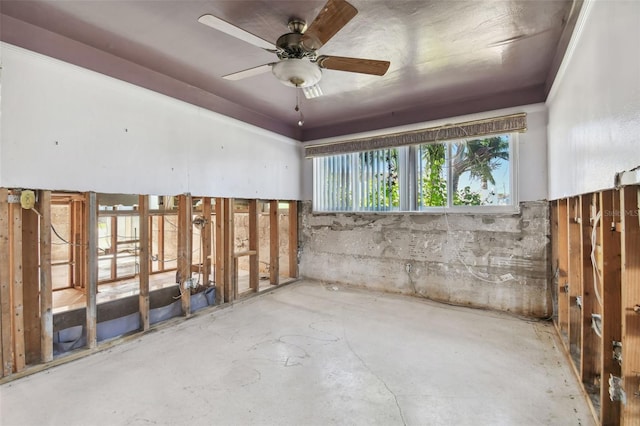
column 64, row 242
column 450, row 237
column 597, row 275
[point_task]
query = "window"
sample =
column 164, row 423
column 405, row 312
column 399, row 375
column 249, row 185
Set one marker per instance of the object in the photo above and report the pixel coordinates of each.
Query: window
column 456, row 175
column 360, row 181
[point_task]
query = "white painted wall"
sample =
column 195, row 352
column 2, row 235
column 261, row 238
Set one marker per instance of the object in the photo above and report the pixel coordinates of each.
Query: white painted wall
column 532, row 147
column 594, row 105
column 66, row 128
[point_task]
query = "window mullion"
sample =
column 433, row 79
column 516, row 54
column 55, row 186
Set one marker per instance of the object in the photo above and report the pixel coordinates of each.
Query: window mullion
column 449, row 164
column 406, row 177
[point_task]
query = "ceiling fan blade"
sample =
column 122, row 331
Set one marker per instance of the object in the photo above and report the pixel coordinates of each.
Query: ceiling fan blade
column 334, row 15
column 229, row 29
column 363, row 66
column 261, row 69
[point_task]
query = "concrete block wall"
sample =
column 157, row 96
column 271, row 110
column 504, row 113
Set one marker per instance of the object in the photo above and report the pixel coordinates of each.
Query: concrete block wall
column 495, row 261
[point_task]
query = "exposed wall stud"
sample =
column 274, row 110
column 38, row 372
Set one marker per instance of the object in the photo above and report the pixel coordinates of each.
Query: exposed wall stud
column 609, row 266
column 575, row 279
column 91, row 268
column 17, row 288
column 6, row 344
column 293, row 239
column 144, row 224
column 46, row 282
column 630, row 259
column 274, row 243
column 185, row 213
column 205, row 238
column 31, row 285
column 562, row 268
column 220, row 272
column 230, row 291
column 254, row 246
column 591, row 344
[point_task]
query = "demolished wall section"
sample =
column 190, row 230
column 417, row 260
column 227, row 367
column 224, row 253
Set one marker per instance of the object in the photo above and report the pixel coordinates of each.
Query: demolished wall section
column 490, row 261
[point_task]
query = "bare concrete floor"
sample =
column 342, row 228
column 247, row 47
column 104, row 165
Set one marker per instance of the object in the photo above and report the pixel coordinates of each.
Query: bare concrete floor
column 313, row 354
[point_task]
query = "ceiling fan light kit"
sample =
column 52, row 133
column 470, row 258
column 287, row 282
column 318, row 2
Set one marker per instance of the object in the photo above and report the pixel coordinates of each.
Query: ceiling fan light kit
column 297, row 72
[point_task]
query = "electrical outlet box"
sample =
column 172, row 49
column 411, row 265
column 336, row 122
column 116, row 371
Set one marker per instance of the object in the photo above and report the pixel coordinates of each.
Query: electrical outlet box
column 13, row 198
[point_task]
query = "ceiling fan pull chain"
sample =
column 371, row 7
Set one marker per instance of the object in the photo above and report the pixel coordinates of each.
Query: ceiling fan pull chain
column 297, row 108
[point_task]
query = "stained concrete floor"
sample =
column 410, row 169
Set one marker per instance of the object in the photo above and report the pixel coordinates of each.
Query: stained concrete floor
column 314, row 354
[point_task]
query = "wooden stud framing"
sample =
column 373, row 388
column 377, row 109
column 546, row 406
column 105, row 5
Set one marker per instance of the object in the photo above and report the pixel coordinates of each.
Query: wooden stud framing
column 274, row 243
column 46, row 282
column 185, row 213
column 574, row 280
column 17, row 289
column 553, row 215
column 230, row 290
column 91, row 268
column 610, row 266
column 6, row 344
column 591, row 343
column 254, row 246
column 630, row 258
column 113, row 275
column 79, row 242
column 143, row 209
column 293, row 239
column 160, row 234
column 31, row 285
column 562, row 270
column 219, row 255
column 206, row 236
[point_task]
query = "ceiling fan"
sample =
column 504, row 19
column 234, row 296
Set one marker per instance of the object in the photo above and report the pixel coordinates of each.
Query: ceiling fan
column 299, row 64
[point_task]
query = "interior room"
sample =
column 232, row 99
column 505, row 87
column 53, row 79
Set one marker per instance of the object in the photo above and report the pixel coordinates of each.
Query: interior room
column 320, row 212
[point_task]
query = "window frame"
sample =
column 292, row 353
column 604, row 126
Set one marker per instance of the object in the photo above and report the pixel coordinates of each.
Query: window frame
column 408, row 183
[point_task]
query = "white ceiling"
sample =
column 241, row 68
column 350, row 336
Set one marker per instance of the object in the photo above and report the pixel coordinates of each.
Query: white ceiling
column 447, row 57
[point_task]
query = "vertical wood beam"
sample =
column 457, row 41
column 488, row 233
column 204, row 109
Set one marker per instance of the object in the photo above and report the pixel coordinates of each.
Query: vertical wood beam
column 31, row 285
column 293, row 239
column 562, row 272
column 185, row 213
column 219, row 255
column 574, row 280
column 76, row 246
column 17, row 289
column 113, row 275
column 206, row 233
column 46, row 280
column 71, row 248
column 630, row 258
column 591, row 345
column 230, row 291
column 553, row 210
column 161, row 242
column 143, row 296
column 5, row 288
column 91, row 266
column 274, row 243
column 79, row 247
column 254, row 246
column 611, row 299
